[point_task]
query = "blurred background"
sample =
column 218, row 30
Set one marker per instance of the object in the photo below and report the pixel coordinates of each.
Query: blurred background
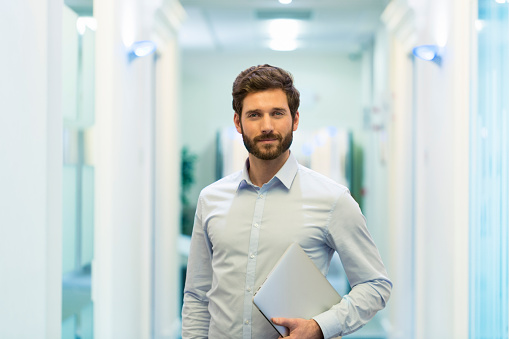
column 116, row 113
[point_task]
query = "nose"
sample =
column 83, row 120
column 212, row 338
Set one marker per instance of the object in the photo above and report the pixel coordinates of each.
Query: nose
column 266, row 124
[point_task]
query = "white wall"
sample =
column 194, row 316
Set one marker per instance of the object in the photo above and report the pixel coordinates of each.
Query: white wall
column 30, row 169
column 330, row 87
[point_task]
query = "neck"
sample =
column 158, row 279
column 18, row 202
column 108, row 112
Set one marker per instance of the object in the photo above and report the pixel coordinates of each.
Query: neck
column 261, row 171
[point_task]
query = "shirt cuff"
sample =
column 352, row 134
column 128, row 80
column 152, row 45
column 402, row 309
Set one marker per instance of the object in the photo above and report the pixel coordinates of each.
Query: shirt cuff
column 328, row 323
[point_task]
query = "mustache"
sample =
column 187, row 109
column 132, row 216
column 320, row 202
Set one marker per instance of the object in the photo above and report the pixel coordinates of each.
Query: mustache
column 269, row 136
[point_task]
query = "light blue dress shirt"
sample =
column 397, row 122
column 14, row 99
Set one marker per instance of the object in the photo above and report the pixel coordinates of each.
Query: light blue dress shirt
column 240, row 232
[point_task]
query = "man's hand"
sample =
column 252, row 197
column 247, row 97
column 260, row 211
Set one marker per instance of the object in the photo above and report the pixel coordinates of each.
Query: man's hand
column 300, row 328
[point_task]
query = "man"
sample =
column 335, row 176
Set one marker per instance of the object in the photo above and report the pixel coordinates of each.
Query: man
column 245, row 221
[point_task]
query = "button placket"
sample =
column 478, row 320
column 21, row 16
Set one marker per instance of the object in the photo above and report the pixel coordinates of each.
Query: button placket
column 251, row 260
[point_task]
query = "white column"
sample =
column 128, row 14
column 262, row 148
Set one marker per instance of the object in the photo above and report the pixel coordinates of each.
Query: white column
column 102, row 275
column 30, row 170
column 123, row 152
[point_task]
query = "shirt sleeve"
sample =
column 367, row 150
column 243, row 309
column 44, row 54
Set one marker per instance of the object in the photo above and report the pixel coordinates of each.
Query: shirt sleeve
column 371, row 287
column 195, row 313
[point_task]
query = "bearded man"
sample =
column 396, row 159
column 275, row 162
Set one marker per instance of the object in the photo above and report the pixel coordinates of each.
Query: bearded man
column 245, row 221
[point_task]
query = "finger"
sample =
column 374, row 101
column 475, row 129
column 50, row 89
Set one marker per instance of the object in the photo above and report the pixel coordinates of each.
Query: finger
column 278, row 321
column 282, row 321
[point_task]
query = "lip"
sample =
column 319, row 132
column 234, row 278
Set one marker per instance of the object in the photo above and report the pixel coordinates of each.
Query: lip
column 267, row 140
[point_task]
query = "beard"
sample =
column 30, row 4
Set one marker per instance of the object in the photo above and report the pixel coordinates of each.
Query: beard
column 268, row 151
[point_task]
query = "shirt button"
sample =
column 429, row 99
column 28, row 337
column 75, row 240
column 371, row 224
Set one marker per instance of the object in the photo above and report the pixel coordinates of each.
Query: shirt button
column 246, row 322
column 252, row 256
column 256, row 225
column 249, row 289
column 261, row 196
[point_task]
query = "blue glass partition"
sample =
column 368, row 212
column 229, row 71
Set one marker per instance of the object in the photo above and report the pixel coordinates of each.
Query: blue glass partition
column 489, row 174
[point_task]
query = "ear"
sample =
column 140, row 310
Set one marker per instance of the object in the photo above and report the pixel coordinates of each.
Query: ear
column 236, row 121
column 296, row 121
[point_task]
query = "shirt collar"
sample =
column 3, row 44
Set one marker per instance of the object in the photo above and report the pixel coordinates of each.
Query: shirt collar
column 245, row 180
column 286, row 174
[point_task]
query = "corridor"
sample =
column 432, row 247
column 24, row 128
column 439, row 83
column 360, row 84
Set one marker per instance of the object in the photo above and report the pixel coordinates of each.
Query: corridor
column 118, row 113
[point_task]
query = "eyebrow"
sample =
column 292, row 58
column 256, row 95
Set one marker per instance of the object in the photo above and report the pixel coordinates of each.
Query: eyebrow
column 253, row 111
column 274, row 109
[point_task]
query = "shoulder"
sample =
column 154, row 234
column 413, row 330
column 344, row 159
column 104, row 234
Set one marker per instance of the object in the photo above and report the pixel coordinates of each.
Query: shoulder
column 224, row 186
column 320, row 182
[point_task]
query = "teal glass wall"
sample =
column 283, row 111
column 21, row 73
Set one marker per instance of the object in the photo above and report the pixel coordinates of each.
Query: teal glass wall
column 489, row 173
column 78, row 174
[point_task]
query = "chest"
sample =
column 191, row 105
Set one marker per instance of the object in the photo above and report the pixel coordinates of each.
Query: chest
column 272, row 219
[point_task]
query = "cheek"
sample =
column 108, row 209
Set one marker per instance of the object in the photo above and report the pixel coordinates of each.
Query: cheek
column 289, row 127
column 249, row 127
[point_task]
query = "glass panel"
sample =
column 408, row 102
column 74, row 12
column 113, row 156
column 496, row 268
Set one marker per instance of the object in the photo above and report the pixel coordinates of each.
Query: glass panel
column 69, row 328
column 87, row 322
column 489, row 174
column 87, row 215
column 88, row 77
column 69, row 219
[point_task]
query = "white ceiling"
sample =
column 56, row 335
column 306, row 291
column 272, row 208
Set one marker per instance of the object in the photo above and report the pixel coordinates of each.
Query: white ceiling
column 338, row 26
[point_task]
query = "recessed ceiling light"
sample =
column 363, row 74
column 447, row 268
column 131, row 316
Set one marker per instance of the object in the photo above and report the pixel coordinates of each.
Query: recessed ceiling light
column 283, row 44
column 285, row 2
column 283, row 28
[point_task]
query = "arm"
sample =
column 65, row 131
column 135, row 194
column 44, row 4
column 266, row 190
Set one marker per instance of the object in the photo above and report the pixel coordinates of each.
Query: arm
column 371, row 288
column 195, row 313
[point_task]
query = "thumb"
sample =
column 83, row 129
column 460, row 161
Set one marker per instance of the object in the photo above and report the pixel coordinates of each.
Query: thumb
column 282, row 321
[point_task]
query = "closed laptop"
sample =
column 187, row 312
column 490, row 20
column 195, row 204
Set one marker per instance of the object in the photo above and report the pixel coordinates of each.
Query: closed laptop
column 295, row 288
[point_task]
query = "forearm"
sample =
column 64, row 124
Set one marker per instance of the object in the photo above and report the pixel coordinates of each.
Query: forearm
column 355, row 309
column 195, row 318
column 195, row 312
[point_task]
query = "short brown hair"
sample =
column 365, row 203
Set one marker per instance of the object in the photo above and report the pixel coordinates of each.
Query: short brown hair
column 260, row 78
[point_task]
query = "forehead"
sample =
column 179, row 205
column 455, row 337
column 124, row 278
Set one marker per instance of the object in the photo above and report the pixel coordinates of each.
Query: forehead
column 265, row 100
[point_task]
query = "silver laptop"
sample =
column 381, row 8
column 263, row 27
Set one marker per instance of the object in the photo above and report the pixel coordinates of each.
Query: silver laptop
column 295, row 288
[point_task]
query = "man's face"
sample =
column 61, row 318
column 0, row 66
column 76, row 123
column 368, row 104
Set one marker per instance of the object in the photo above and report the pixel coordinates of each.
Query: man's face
column 266, row 124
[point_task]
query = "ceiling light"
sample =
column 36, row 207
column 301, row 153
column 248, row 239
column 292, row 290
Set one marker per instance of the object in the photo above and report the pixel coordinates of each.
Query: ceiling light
column 285, row 2
column 283, row 44
column 284, row 34
column 283, row 28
